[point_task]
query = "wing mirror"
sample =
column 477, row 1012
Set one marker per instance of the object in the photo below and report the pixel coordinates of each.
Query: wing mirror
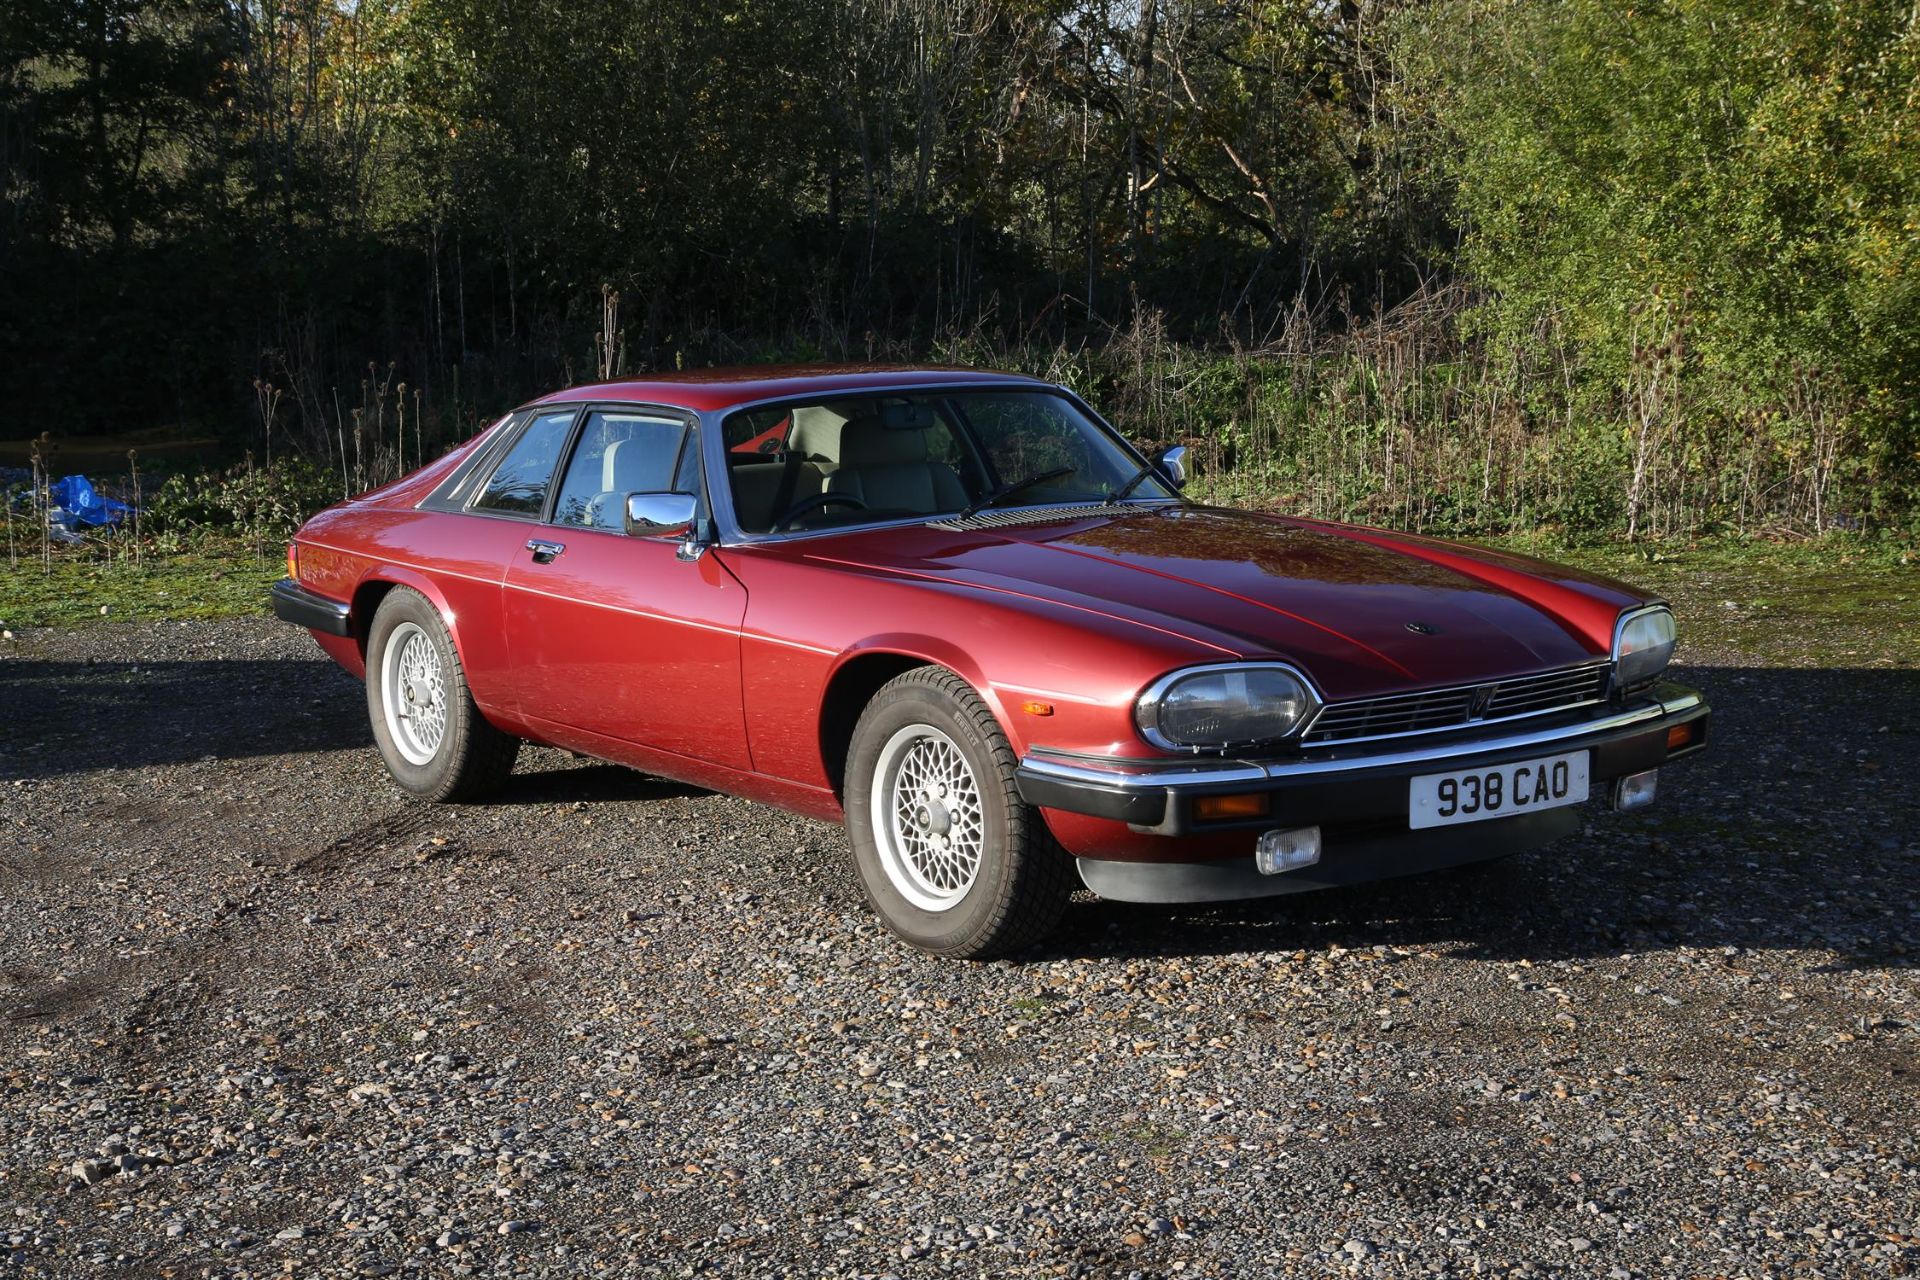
column 1173, row 465
column 661, row 515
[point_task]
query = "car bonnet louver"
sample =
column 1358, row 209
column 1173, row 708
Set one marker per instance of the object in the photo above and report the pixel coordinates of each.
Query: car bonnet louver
column 1032, row 515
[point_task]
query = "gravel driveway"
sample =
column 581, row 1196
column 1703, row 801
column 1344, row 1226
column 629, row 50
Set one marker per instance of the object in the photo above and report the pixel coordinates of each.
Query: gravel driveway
column 264, row 1015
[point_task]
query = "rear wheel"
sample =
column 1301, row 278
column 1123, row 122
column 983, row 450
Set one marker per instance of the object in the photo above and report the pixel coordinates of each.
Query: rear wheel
column 434, row 740
column 953, row 860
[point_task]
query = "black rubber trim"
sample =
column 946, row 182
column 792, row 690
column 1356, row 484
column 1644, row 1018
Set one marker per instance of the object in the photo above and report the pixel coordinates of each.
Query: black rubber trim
column 294, row 603
column 1368, row 793
column 1343, row 861
column 1122, row 804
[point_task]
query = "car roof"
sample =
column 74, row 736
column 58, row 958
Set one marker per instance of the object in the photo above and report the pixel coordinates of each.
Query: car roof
column 706, row 390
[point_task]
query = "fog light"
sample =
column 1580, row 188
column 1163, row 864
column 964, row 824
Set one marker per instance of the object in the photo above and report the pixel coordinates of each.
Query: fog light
column 1636, row 790
column 1287, row 850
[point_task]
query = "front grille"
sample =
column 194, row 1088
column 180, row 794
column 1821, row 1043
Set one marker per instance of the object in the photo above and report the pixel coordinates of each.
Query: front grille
column 1436, row 710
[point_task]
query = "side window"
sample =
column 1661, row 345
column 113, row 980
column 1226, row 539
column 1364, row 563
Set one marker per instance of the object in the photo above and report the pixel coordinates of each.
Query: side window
column 618, row 454
column 519, row 484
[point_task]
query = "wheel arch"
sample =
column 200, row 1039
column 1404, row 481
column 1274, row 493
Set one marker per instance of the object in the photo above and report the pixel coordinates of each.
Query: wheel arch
column 863, row 670
column 379, row 582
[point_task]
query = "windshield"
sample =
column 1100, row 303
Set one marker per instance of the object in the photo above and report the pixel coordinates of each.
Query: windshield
column 864, row 459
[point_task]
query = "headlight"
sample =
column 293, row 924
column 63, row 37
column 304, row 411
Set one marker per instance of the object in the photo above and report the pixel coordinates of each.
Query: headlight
column 1642, row 646
column 1206, row 708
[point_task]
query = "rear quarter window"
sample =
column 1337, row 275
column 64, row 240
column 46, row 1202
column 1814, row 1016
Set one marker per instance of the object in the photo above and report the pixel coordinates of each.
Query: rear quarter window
column 518, row 486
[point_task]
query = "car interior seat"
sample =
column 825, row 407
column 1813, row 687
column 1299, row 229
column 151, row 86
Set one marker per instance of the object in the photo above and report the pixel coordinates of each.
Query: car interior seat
column 888, row 469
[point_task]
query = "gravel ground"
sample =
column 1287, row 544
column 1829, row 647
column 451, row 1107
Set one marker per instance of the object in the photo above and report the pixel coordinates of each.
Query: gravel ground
column 264, row 1015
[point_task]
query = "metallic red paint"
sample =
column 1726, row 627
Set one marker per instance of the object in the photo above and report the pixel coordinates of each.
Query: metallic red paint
column 714, row 670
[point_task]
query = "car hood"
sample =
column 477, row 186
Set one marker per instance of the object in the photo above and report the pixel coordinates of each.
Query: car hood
column 1361, row 611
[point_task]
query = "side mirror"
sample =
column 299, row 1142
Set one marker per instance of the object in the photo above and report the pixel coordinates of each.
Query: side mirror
column 1173, row 465
column 661, row 515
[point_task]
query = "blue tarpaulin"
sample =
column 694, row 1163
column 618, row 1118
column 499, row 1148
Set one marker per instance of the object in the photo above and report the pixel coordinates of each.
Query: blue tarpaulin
column 75, row 503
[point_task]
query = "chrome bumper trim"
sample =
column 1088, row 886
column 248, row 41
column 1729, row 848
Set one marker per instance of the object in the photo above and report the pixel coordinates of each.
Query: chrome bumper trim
column 1113, row 773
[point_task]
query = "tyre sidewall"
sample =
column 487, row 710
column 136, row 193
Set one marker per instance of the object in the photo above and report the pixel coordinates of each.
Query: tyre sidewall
column 402, row 605
column 938, row 931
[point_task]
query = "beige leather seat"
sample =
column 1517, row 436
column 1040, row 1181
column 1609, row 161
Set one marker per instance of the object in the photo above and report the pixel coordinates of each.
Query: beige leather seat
column 889, row 470
column 617, row 480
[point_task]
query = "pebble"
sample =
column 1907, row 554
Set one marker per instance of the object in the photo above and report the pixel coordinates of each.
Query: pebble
column 675, row 1042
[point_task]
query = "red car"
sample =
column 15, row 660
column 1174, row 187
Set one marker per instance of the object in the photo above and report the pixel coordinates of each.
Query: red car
column 956, row 610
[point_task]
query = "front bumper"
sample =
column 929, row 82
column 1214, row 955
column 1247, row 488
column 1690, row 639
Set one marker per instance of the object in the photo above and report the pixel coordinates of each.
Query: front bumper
column 1357, row 795
column 294, row 603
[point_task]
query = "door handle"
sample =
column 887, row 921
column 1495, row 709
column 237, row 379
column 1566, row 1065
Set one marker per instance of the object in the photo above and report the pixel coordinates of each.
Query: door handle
column 544, row 551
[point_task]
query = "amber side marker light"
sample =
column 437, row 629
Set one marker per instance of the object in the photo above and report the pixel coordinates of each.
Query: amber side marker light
column 293, row 561
column 1220, row 808
column 1681, row 735
column 1037, row 708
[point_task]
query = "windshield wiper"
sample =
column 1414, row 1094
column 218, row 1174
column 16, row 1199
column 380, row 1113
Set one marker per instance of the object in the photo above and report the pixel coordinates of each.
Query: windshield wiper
column 1139, row 477
column 1006, row 491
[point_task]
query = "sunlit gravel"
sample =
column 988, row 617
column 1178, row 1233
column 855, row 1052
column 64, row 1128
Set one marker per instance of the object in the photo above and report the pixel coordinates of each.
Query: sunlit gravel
column 262, row 1015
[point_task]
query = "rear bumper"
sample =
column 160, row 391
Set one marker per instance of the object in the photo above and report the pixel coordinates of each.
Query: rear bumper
column 1357, row 796
column 294, row 603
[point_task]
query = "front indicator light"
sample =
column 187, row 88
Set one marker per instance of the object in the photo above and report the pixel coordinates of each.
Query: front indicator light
column 1636, row 790
column 1280, row 851
column 1681, row 735
column 1223, row 808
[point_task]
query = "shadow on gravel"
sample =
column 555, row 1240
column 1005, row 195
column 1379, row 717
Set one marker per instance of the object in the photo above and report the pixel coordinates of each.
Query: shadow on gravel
column 591, row 781
column 68, row 717
column 1799, row 829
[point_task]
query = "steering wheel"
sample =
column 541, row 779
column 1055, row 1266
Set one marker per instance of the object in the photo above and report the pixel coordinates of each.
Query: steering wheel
column 785, row 519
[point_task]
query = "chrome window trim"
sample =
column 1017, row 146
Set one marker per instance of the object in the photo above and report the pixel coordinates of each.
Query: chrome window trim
column 1583, row 669
column 450, row 494
column 1158, row 690
column 469, row 505
column 1140, row 774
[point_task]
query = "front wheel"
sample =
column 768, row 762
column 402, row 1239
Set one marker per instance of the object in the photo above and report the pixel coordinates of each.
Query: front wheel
column 952, row 859
column 434, row 740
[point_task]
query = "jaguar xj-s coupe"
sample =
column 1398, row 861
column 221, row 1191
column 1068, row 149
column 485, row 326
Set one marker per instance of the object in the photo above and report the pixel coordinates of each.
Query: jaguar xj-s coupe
column 959, row 612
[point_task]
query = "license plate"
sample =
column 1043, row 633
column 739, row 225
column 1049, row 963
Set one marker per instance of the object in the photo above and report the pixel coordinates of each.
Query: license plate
column 1502, row 791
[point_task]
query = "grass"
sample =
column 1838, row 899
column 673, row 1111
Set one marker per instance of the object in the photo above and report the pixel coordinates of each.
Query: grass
column 1832, row 602
column 213, row 579
column 1828, row 602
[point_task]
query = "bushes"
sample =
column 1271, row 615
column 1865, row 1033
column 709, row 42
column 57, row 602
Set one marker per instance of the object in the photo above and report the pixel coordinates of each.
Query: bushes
column 263, row 503
column 1713, row 203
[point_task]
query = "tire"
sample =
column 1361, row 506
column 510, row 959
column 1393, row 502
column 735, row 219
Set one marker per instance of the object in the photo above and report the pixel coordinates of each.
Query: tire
column 968, row 869
column 445, row 750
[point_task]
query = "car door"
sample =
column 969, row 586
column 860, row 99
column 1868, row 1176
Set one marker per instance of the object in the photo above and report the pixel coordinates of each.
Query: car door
column 620, row 636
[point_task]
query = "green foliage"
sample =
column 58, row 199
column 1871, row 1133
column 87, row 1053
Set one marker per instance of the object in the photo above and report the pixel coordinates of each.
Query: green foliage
column 1461, row 264
column 1716, row 203
column 264, row 502
column 217, row 578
